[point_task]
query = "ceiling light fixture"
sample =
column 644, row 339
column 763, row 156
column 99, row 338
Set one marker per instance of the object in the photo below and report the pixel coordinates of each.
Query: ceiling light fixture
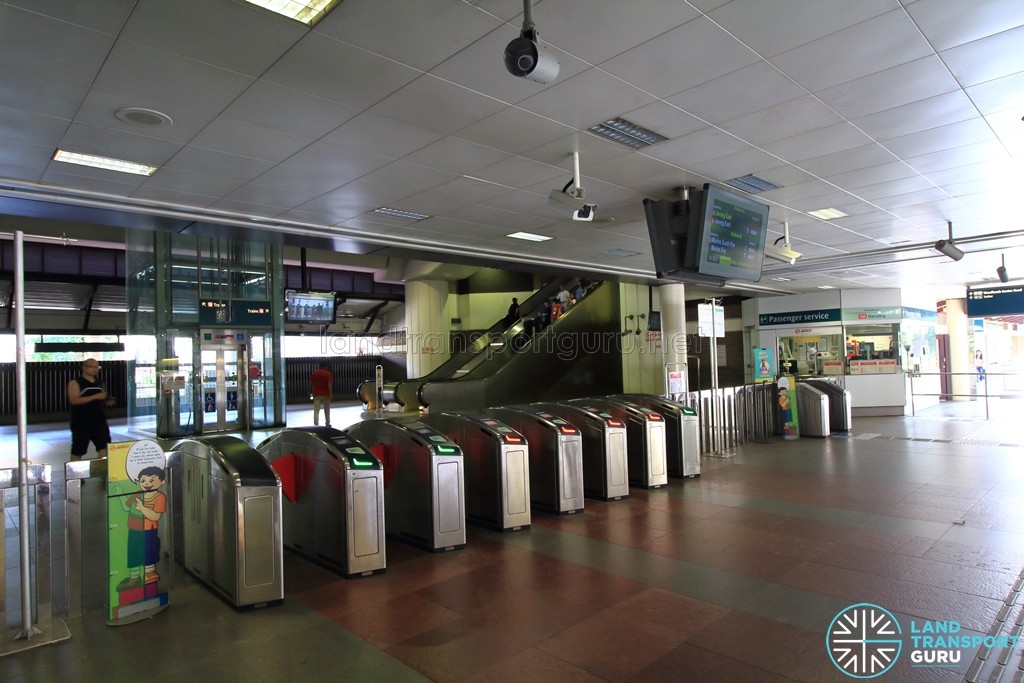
column 947, row 247
column 107, row 163
column 524, row 56
column 1001, row 270
column 827, row 214
column 529, row 237
column 307, row 11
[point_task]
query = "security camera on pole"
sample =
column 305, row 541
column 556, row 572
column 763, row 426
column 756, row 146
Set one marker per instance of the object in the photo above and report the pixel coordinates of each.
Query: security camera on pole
column 570, row 202
column 524, row 56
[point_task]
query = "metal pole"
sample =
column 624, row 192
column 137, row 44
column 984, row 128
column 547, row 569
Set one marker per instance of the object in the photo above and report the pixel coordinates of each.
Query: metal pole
column 986, row 397
column 716, row 413
column 27, row 630
column 913, row 411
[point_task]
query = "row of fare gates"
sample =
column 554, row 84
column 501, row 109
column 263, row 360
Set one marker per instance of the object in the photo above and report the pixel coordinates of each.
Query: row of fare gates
column 332, row 495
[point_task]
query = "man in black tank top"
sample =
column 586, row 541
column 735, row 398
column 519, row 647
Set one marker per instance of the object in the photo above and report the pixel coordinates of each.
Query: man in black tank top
column 87, row 398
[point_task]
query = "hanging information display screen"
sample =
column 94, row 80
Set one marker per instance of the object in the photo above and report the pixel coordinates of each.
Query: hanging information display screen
column 995, row 301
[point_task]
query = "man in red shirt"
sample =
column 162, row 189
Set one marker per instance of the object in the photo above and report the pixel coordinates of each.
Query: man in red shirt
column 321, row 382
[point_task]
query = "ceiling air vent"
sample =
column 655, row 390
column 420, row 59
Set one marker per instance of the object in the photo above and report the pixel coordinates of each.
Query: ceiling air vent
column 752, row 184
column 627, row 133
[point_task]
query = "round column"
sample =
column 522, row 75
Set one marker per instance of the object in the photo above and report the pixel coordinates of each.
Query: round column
column 673, row 329
column 428, row 328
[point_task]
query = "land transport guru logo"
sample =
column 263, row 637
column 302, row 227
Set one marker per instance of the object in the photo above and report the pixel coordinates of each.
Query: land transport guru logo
column 866, row 640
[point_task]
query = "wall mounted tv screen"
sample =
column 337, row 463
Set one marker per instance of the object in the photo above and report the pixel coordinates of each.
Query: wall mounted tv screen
column 727, row 234
column 309, row 307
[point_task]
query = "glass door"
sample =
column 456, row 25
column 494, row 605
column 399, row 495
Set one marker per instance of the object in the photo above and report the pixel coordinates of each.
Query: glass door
column 224, row 386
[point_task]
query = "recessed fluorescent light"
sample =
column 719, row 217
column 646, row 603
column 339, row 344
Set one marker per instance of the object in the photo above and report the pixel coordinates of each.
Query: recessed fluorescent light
column 620, row 252
column 782, row 279
column 529, row 237
column 627, row 133
column 825, row 287
column 307, row 11
column 398, row 213
column 103, row 162
column 827, row 214
column 752, row 184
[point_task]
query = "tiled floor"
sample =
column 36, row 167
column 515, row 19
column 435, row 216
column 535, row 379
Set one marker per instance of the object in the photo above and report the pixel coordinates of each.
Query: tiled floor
column 734, row 576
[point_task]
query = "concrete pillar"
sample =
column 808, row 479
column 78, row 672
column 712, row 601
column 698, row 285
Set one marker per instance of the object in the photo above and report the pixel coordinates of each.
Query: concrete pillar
column 961, row 363
column 428, row 325
column 673, row 329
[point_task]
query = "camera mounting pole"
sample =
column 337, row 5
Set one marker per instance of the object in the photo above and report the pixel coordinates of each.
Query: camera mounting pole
column 577, row 186
column 529, row 29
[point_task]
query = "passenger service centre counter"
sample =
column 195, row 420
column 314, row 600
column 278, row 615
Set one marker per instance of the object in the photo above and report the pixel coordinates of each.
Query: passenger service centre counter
column 865, row 340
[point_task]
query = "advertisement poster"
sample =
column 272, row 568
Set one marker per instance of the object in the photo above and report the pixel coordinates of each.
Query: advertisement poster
column 764, row 365
column 787, row 408
column 138, row 510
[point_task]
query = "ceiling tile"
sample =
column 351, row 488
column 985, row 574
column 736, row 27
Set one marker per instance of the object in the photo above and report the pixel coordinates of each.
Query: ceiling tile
column 514, row 131
column 455, row 156
column 154, row 75
column 196, row 29
column 782, row 121
column 381, row 135
column 587, row 99
column 986, row 59
column 194, row 159
column 835, row 138
column 342, row 73
column 72, row 52
column 778, row 26
column 874, row 45
column 949, row 136
column 572, row 24
column 921, row 115
column 451, row 27
column 436, row 105
column 999, row 94
column 272, row 106
column 947, row 25
column 248, row 140
column 884, row 90
column 659, row 66
column 744, row 91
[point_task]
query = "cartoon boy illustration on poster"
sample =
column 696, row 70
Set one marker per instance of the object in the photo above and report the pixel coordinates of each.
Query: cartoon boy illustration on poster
column 144, row 512
column 136, row 504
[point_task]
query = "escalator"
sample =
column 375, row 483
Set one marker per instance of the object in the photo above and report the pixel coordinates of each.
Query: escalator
column 579, row 354
column 483, row 350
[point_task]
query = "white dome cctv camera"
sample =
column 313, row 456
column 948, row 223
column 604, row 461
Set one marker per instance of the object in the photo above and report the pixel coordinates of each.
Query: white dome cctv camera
column 524, row 57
